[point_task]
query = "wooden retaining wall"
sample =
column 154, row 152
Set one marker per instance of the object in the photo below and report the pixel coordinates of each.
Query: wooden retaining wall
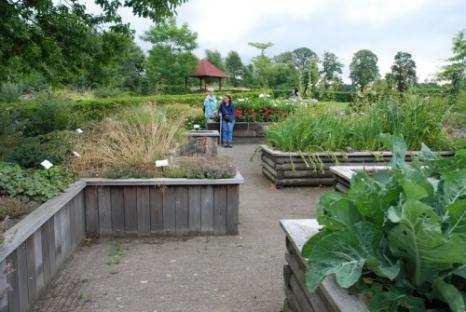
column 145, row 207
column 313, row 169
column 38, row 245
column 328, row 297
column 245, row 132
column 343, row 175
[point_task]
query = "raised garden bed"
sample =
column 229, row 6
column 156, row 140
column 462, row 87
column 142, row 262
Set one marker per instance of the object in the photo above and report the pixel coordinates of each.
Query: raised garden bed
column 313, row 169
column 201, row 142
column 328, row 296
column 37, row 246
column 343, row 174
column 245, row 132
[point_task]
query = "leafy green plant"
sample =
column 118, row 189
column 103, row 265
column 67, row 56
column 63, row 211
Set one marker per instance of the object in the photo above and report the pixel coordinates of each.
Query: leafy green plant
column 200, row 167
column 399, row 236
column 38, row 185
column 415, row 119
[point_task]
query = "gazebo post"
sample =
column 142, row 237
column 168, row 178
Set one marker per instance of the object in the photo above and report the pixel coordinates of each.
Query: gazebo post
column 205, row 70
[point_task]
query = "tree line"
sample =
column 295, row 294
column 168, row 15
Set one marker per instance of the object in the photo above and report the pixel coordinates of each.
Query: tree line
column 45, row 43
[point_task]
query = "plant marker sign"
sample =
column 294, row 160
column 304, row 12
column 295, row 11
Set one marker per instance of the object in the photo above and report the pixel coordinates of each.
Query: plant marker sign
column 46, row 164
column 161, row 163
column 79, row 131
column 76, row 154
column 197, row 127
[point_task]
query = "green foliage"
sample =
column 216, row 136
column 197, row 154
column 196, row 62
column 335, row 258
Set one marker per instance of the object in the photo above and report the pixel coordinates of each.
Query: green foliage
column 263, row 109
column 455, row 72
column 314, row 76
column 398, row 235
column 404, row 71
column 261, row 46
column 331, row 69
column 12, row 208
column 171, row 57
column 234, row 66
column 38, row 185
column 364, row 69
column 415, row 119
column 215, row 58
column 200, row 167
column 29, row 152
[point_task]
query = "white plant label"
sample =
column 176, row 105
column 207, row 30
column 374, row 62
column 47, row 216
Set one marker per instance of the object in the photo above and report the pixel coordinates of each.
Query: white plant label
column 161, row 163
column 76, row 154
column 197, row 127
column 46, row 164
column 79, row 130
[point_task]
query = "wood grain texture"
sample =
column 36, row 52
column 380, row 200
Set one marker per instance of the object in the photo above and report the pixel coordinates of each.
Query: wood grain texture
column 105, row 210
column 195, row 209
column 169, row 209
column 181, row 210
column 156, row 209
column 143, row 209
column 130, row 209
column 118, row 217
column 92, row 212
column 232, row 214
column 207, row 209
column 220, row 209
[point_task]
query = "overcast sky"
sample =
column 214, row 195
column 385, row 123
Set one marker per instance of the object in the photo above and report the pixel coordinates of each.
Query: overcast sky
column 423, row 28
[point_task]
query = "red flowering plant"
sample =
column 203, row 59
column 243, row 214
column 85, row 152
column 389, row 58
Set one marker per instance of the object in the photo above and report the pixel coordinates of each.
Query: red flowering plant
column 263, row 109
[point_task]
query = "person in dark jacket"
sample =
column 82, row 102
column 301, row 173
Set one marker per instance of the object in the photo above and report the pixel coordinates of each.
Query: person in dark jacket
column 227, row 114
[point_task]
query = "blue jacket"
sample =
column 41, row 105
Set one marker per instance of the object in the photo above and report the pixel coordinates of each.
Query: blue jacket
column 227, row 111
column 210, row 106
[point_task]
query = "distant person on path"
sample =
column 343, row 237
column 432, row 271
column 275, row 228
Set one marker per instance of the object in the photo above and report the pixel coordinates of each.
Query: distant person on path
column 227, row 120
column 210, row 107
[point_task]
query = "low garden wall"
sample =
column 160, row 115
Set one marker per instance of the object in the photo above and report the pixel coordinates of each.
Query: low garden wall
column 313, row 169
column 201, row 142
column 245, row 132
column 328, row 296
column 343, row 175
column 36, row 247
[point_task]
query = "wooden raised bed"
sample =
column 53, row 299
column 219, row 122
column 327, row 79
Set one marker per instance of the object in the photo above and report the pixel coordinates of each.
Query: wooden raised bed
column 313, row 169
column 37, row 246
column 328, row 296
column 343, row 174
column 201, row 142
column 245, row 132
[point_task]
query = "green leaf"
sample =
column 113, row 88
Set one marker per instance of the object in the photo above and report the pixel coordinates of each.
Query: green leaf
column 399, row 149
column 454, row 186
column 457, row 217
column 393, row 299
column 419, row 241
column 344, row 253
column 336, row 212
column 449, row 294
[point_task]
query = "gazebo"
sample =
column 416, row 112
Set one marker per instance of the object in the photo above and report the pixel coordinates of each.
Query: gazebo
column 205, row 70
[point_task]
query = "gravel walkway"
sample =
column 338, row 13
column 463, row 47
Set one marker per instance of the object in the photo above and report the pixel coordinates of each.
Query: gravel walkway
column 218, row 274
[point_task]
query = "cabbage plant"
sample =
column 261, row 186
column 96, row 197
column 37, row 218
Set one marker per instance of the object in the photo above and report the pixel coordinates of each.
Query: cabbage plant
column 399, row 236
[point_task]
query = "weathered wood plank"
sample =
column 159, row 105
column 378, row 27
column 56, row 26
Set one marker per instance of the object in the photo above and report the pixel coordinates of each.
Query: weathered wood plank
column 195, row 209
column 22, row 274
column 207, row 209
column 220, row 209
column 169, row 209
column 182, row 210
column 118, row 218
column 105, row 210
column 92, row 212
column 156, row 209
column 48, row 250
column 66, row 227
column 232, row 209
column 35, row 265
column 143, row 210
column 13, row 295
column 131, row 209
column 58, row 231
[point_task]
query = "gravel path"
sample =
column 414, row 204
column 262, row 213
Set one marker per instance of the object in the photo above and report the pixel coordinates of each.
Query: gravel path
column 218, row 274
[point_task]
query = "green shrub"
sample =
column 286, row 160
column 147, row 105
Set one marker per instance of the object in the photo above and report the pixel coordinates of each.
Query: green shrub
column 200, row 167
column 11, row 92
column 38, row 185
column 399, row 236
column 29, row 152
column 12, row 208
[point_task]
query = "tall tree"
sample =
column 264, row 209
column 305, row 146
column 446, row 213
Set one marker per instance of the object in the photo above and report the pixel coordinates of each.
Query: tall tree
column 364, row 69
column 171, row 57
column 262, row 46
column 455, row 72
column 235, row 67
column 331, row 69
column 215, row 58
column 404, row 71
column 313, row 76
column 301, row 59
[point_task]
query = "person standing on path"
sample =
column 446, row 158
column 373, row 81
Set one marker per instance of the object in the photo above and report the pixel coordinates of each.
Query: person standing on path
column 227, row 120
column 210, row 107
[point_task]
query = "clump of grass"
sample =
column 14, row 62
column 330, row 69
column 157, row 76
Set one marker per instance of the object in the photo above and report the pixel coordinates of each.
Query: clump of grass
column 415, row 119
column 12, row 208
column 201, row 167
column 134, row 138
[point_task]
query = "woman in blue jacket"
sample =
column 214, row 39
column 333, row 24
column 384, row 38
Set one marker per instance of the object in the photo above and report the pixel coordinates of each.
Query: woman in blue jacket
column 227, row 118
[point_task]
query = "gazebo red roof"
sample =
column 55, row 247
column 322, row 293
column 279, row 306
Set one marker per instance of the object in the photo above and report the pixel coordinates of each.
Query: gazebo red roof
column 207, row 69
